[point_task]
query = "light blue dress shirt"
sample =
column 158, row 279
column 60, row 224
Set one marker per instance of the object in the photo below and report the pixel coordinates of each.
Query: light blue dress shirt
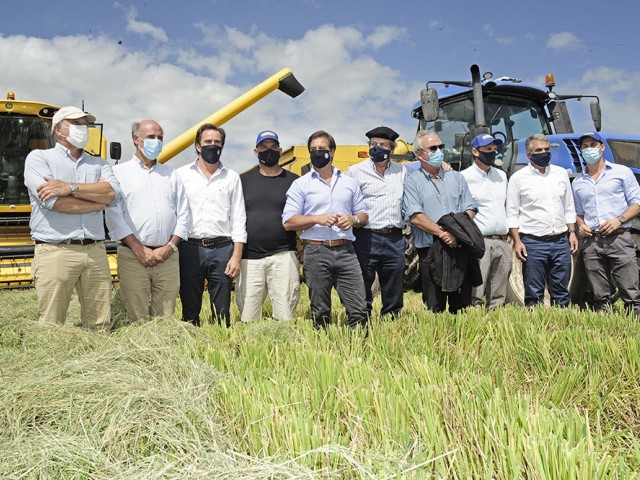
column 153, row 205
column 607, row 197
column 57, row 163
column 422, row 196
column 310, row 195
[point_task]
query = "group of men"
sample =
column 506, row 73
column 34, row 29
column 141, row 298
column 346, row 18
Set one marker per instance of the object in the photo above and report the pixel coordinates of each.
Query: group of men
column 204, row 224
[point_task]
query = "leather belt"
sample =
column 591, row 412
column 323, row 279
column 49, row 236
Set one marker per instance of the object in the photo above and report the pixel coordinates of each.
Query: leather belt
column 497, row 237
column 546, row 238
column 70, row 241
column 146, row 246
column 615, row 232
column 327, row 243
column 209, row 242
column 385, row 230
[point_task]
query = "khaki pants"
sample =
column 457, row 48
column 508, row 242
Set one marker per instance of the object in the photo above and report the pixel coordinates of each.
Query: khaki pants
column 148, row 291
column 495, row 266
column 279, row 276
column 58, row 269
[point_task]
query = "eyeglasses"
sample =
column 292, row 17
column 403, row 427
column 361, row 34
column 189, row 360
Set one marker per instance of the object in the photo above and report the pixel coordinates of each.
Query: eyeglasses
column 433, row 148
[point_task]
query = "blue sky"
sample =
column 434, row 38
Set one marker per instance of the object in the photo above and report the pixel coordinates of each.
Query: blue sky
column 363, row 63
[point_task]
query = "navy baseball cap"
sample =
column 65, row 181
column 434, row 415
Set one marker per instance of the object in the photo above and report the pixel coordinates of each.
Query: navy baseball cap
column 266, row 135
column 595, row 135
column 485, row 139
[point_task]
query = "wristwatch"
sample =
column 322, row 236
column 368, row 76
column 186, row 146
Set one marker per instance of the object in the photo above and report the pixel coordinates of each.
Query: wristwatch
column 74, row 189
column 622, row 219
column 356, row 220
column 173, row 246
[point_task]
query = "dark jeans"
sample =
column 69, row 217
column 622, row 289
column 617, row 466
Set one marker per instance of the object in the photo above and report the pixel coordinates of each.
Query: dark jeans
column 382, row 254
column 198, row 264
column 612, row 257
column 432, row 294
column 548, row 262
column 327, row 267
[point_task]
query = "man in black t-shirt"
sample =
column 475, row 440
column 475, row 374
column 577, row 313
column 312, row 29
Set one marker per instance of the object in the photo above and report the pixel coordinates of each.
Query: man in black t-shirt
column 269, row 262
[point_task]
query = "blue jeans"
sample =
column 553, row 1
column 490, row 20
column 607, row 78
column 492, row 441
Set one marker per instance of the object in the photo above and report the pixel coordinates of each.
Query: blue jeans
column 327, row 267
column 548, row 262
column 198, row 264
column 382, row 254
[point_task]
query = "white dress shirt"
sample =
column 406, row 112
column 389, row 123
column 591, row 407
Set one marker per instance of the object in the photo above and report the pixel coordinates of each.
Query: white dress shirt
column 489, row 191
column 382, row 193
column 153, row 205
column 216, row 204
column 540, row 203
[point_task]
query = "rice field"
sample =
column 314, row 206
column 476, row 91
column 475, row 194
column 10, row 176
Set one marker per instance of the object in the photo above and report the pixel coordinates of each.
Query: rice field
column 512, row 393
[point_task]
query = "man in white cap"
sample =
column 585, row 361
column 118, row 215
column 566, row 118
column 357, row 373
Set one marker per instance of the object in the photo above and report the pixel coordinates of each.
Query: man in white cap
column 488, row 187
column 149, row 220
column 269, row 261
column 68, row 191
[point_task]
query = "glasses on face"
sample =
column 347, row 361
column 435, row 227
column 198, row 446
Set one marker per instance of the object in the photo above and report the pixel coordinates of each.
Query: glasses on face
column 433, row 148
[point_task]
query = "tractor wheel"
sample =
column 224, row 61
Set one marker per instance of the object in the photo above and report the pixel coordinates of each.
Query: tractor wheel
column 412, row 281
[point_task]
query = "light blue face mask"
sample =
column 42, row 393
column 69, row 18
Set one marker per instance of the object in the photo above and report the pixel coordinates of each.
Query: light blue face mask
column 152, row 148
column 591, row 155
column 436, row 158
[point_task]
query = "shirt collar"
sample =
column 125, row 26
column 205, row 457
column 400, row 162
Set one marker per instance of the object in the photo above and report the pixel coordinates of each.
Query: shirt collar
column 535, row 171
column 335, row 172
column 65, row 151
column 479, row 171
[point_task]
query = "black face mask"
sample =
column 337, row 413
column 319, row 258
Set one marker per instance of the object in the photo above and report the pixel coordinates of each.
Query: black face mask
column 320, row 158
column 269, row 158
column 379, row 154
column 211, row 153
column 541, row 159
column 488, row 158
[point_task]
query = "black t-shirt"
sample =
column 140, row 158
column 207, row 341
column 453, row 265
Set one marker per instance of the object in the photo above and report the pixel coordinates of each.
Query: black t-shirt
column 264, row 200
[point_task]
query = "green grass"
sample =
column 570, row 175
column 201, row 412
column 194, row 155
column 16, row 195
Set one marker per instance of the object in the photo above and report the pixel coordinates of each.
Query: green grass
column 548, row 393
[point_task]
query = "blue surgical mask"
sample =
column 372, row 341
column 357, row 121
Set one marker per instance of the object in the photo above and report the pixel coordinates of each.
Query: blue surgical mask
column 436, row 158
column 152, row 148
column 379, row 154
column 541, row 159
column 592, row 155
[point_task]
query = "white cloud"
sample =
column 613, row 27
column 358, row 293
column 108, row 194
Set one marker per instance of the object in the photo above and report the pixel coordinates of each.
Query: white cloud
column 144, row 28
column 500, row 39
column 347, row 92
column 564, row 41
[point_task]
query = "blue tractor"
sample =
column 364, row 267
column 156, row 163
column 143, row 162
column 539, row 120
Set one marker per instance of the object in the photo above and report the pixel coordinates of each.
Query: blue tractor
column 512, row 111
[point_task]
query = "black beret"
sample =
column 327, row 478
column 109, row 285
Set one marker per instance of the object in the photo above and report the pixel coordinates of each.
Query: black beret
column 382, row 132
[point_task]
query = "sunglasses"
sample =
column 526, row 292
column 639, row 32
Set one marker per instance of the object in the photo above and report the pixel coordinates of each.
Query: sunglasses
column 433, row 148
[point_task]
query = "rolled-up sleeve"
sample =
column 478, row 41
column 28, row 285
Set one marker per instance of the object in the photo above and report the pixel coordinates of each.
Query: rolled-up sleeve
column 108, row 176
column 36, row 168
column 358, row 205
column 631, row 188
column 411, row 198
column 115, row 220
column 466, row 199
column 295, row 202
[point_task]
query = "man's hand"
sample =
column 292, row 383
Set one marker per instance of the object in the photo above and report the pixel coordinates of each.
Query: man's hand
column 161, row 254
column 344, row 221
column 584, row 230
column 145, row 256
column 610, row 226
column 520, row 250
column 233, row 267
column 448, row 238
column 53, row 188
column 573, row 243
column 326, row 219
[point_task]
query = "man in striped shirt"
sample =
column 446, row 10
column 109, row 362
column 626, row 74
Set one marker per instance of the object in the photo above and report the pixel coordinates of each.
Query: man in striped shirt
column 380, row 245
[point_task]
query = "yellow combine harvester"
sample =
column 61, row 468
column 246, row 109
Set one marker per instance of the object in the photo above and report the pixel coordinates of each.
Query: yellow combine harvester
column 26, row 125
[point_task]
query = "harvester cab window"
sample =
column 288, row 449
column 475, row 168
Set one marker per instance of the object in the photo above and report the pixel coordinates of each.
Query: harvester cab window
column 19, row 135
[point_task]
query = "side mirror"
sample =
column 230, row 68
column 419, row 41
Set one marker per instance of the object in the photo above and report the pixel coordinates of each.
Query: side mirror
column 115, row 150
column 596, row 115
column 429, row 101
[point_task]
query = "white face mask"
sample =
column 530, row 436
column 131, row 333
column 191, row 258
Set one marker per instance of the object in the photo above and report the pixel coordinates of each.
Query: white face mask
column 78, row 135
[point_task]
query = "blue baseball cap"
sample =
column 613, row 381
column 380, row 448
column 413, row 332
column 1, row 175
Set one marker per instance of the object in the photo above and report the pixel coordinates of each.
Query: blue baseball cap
column 595, row 135
column 266, row 135
column 485, row 139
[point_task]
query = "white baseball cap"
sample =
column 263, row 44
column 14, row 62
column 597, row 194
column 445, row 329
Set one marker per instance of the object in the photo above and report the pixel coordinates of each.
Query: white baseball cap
column 71, row 113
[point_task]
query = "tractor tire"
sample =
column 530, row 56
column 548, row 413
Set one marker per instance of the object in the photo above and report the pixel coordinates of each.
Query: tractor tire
column 412, row 281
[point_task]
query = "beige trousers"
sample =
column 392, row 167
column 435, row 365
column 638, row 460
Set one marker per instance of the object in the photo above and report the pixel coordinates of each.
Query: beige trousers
column 148, row 291
column 277, row 275
column 58, row 269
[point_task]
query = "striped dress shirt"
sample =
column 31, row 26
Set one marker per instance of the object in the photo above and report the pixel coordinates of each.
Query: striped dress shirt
column 382, row 193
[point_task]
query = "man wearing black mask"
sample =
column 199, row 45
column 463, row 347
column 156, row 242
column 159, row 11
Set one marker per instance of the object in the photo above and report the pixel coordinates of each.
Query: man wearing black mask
column 541, row 217
column 217, row 233
column 380, row 245
column 488, row 186
column 326, row 206
column 269, row 262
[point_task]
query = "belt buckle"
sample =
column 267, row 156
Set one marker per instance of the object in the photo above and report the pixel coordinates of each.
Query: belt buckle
column 206, row 242
column 331, row 243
